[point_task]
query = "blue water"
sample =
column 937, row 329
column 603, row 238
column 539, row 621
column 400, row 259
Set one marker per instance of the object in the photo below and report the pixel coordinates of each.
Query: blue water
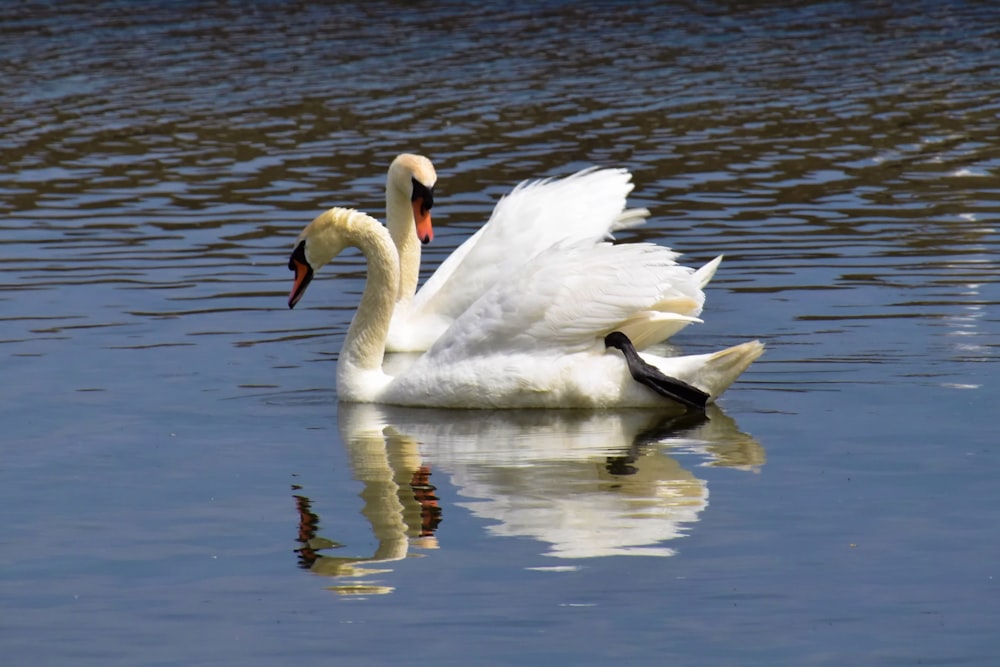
column 178, row 484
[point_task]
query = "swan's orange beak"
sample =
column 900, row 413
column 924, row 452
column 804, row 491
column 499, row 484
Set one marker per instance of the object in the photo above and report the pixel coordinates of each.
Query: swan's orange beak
column 303, row 274
column 422, row 216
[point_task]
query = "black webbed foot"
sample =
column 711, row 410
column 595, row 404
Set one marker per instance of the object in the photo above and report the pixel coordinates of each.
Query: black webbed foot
column 652, row 377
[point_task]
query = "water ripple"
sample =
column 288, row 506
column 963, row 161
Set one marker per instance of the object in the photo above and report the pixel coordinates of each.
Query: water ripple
column 847, row 181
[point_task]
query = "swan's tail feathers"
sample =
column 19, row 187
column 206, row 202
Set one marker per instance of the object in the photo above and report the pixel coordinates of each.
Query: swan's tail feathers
column 628, row 219
column 705, row 274
column 722, row 368
column 650, row 327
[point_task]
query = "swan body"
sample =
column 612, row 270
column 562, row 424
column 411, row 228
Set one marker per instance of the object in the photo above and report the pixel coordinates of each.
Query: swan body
column 533, row 340
column 587, row 206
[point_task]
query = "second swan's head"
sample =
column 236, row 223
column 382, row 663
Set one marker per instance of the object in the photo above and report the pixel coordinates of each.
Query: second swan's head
column 323, row 239
column 412, row 178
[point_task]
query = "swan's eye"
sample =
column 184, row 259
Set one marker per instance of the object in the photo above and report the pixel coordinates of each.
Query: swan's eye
column 424, row 194
column 299, row 254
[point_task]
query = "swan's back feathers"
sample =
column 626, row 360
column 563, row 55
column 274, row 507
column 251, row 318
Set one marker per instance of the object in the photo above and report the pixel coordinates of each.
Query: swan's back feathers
column 588, row 205
column 569, row 299
column 630, row 218
column 705, row 274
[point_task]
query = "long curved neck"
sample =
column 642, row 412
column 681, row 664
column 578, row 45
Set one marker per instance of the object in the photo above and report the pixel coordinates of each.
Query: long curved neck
column 364, row 345
column 402, row 227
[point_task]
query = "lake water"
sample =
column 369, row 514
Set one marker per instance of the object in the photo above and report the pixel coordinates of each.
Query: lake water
column 178, row 485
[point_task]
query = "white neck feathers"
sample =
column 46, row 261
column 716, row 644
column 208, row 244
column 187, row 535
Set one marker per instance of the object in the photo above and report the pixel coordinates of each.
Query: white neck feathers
column 339, row 228
column 402, row 227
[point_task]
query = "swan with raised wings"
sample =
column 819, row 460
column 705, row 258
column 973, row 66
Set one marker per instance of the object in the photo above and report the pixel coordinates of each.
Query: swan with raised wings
column 541, row 338
column 586, row 206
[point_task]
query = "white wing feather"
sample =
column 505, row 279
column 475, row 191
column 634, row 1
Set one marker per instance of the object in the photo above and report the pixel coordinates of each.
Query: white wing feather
column 588, row 205
column 568, row 298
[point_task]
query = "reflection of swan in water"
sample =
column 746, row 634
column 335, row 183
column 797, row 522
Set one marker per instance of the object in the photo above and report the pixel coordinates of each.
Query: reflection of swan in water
column 585, row 483
column 399, row 503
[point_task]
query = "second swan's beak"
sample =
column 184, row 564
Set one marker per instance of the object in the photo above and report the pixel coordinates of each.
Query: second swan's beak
column 422, row 216
column 303, row 274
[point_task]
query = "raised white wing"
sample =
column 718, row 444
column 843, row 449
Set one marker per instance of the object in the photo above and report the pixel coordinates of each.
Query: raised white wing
column 588, row 205
column 570, row 296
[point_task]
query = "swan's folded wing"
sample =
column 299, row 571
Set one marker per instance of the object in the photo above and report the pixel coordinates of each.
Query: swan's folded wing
column 588, row 205
column 569, row 298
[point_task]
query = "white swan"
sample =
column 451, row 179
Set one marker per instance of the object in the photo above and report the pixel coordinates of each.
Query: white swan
column 587, row 206
column 534, row 340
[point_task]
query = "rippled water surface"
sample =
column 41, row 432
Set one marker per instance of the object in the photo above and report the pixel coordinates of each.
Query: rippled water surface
column 179, row 486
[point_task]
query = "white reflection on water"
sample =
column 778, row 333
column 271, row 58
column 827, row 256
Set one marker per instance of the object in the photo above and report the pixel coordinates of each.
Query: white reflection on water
column 583, row 484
